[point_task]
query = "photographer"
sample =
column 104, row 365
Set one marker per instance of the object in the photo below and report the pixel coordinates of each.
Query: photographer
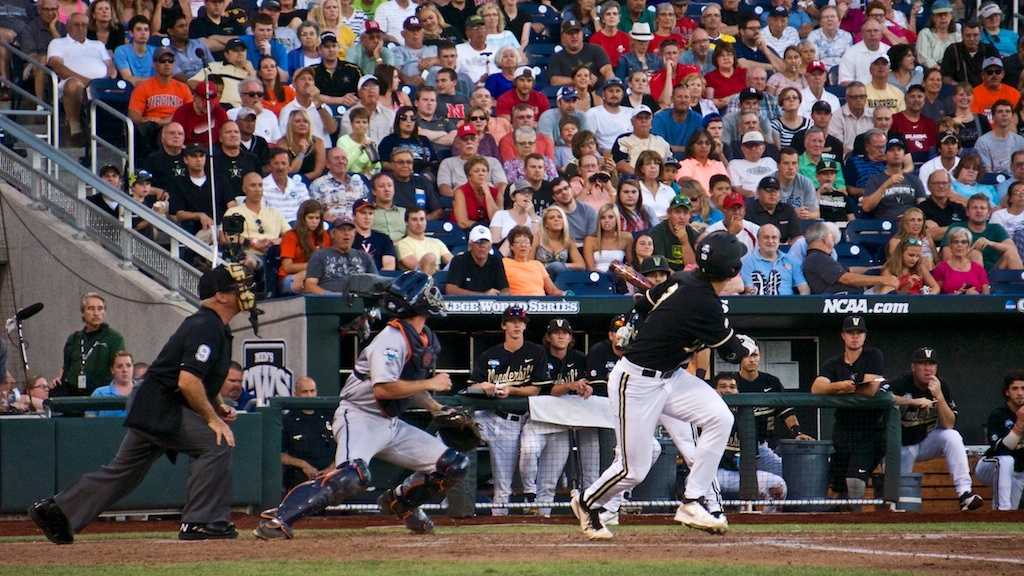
column 262, row 226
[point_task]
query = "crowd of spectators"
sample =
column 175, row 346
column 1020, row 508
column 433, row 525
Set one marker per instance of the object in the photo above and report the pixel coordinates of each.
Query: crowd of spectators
column 594, row 132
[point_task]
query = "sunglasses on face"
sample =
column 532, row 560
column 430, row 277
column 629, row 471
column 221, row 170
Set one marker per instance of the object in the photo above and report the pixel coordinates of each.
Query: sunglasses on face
column 253, row 94
column 407, row 118
column 913, row 242
column 478, row 118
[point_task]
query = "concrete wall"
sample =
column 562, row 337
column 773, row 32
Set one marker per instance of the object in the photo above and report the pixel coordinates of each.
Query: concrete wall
column 281, row 320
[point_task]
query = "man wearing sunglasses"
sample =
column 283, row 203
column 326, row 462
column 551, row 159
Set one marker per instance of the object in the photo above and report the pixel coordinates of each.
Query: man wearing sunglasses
column 992, row 88
column 266, row 126
column 264, row 226
column 155, row 99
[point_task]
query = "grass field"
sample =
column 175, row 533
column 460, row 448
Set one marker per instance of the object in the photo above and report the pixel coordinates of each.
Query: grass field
column 525, row 550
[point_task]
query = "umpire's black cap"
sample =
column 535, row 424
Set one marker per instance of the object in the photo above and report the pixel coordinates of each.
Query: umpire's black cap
column 854, row 324
column 216, row 280
column 514, row 312
column 557, row 324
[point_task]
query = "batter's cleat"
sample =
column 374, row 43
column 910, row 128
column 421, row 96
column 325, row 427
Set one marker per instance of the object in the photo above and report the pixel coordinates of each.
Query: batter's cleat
column 272, row 529
column 694, row 514
column 207, row 531
column 609, row 518
column 48, row 516
column 970, row 501
column 590, row 520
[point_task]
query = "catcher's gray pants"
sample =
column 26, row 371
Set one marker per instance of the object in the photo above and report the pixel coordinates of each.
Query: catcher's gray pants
column 208, row 488
column 945, row 442
column 364, row 435
column 1007, row 485
column 502, row 436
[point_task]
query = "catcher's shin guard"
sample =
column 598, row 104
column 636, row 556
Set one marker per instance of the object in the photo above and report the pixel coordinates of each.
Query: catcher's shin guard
column 405, row 499
column 312, row 497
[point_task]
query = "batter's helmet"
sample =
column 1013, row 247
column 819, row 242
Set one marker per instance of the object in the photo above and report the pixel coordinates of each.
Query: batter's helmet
column 414, row 293
column 719, row 255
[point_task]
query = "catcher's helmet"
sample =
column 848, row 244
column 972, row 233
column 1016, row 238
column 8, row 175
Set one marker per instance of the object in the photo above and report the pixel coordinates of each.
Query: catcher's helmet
column 414, row 293
column 719, row 255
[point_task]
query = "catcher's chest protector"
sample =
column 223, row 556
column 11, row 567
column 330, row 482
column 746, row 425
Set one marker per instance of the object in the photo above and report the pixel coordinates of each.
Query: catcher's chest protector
column 419, row 364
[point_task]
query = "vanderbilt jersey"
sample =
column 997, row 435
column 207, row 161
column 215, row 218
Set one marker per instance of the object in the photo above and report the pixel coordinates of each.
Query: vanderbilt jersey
column 918, row 422
column 525, row 367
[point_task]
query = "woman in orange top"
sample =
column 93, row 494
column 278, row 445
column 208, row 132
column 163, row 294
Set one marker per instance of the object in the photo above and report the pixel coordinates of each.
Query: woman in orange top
column 699, row 164
column 299, row 243
column 275, row 94
column 526, row 276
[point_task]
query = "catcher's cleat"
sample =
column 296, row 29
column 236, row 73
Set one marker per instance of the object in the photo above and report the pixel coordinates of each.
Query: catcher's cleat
column 694, row 514
column 418, row 522
column 590, row 520
column 415, row 519
column 48, row 516
column 272, row 529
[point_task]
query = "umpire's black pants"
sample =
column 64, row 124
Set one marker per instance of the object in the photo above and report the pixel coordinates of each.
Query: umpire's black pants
column 208, row 488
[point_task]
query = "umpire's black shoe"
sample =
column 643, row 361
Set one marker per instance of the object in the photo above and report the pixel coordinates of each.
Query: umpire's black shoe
column 52, row 521
column 207, row 531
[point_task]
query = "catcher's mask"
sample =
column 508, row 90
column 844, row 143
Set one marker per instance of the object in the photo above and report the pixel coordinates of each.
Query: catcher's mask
column 414, row 293
column 236, row 279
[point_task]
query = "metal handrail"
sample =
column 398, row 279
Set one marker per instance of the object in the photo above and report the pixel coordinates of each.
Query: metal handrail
column 94, row 138
column 50, row 109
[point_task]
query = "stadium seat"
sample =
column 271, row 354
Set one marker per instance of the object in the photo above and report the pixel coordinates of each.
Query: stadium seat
column 538, row 53
column 440, row 278
column 694, row 9
column 871, row 235
column 583, row 283
column 115, row 93
column 853, row 255
column 446, row 232
column 1006, row 281
column 993, row 178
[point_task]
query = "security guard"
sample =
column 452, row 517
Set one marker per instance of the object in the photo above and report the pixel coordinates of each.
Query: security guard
column 175, row 409
column 307, row 443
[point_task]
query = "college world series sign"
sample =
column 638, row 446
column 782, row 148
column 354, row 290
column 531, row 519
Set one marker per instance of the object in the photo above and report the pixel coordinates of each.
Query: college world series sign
column 494, row 306
column 265, row 372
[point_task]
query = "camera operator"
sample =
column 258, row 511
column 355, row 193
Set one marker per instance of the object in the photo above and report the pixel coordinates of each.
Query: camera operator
column 262, row 227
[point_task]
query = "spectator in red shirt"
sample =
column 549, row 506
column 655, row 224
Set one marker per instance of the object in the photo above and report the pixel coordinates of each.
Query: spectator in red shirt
column 726, row 79
column 615, row 42
column 670, row 75
column 523, row 115
column 522, row 92
column 192, row 116
column 664, row 24
column 684, row 24
column 920, row 132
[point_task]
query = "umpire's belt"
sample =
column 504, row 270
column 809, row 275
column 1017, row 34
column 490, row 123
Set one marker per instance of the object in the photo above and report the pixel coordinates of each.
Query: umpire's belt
column 508, row 416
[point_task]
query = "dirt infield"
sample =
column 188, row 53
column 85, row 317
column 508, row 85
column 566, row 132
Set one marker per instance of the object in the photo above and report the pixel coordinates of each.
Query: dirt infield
column 930, row 548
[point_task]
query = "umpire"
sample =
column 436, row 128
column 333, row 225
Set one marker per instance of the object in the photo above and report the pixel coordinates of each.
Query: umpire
column 175, row 409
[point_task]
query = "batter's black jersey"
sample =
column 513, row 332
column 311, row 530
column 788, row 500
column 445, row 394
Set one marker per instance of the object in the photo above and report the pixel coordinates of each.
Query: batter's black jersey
column 1000, row 422
column 600, row 361
column 201, row 346
column 307, row 437
column 569, row 369
column 918, row 422
column 686, row 315
column 836, row 369
column 765, row 416
column 527, row 366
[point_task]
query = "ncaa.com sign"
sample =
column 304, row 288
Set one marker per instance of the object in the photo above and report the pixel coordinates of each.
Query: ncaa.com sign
column 862, row 306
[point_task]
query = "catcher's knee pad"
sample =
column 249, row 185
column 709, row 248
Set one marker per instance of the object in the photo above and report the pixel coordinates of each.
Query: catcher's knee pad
column 452, row 465
column 313, row 496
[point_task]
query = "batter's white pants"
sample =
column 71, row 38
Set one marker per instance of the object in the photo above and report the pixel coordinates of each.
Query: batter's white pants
column 360, row 434
column 768, row 485
column 638, row 402
column 1006, row 484
column 945, row 442
column 502, row 436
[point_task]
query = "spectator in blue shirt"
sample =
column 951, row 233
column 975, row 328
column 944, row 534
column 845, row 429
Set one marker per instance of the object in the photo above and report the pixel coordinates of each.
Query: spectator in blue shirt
column 134, row 61
column 677, row 124
column 262, row 43
column 121, row 384
column 766, row 272
column 190, row 54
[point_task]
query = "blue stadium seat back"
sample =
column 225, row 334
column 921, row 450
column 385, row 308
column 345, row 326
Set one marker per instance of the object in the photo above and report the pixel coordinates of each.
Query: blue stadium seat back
column 459, row 249
column 410, row 91
column 158, row 40
column 838, row 91
column 538, row 54
column 583, row 283
column 994, row 178
column 1007, row 281
column 112, row 91
column 435, row 226
column 541, row 80
column 851, row 254
column 440, row 279
column 552, row 94
column 694, row 9
column 446, row 203
column 869, row 232
column 447, row 232
column 548, row 16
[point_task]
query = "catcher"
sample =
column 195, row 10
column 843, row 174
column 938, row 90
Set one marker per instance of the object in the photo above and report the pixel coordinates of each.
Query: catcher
column 392, row 373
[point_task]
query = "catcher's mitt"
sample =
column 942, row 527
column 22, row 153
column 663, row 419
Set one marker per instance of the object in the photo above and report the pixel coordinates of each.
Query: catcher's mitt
column 457, row 429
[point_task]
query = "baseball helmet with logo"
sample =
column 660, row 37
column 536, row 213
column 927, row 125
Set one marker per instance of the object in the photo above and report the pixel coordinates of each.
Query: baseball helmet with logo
column 719, row 255
column 414, row 293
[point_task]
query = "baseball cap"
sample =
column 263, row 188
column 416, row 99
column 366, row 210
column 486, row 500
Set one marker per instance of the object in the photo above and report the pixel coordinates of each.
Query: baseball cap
column 990, row 9
column 680, row 201
column 245, row 112
column 817, row 66
column 613, row 81
column 557, row 324
column 194, row 150
column 821, row 107
column 734, row 200
column 895, row 143
column 216, row 280
column 941, row 7
column 656, row 263
column 641, row 32
column 752, row 137
column 160, row 52
column 826, row 165
column 779, row 11
column 343, row 220
column 768, row 183
column 466, row 130
column 270, row 5
column 924, row 355
column 523, row 71
column 236, row 44
column 412, row 23
column 571, row 25
column 947, row 136
column 108, row 168
column 750, row 93
column 672, row 161
column 514, row 312
column 372, row 27
column 362, row 203
column 140, row 176
column 854, row 324
column 205, row 89
column 328, row 38
column 641, row 109
column 713, row 117
column 367, row 78
column 881, row 57
column 568, row 93
column 474, row 21
column 522, row 187
column 479, row 234
column 992, row 62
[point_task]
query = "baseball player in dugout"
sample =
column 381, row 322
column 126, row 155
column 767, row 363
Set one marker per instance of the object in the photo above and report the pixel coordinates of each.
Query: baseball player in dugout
column 928, row 417
column 769, row 484
column 176, row 409
column 394, row 372
column 858, row 435
column 307, row 442
column 673, row 321
column 513, row 368
column 1003, row 464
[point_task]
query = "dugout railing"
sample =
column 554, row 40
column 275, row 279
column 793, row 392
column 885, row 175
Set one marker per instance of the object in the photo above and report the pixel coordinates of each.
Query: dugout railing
column 263, row 479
